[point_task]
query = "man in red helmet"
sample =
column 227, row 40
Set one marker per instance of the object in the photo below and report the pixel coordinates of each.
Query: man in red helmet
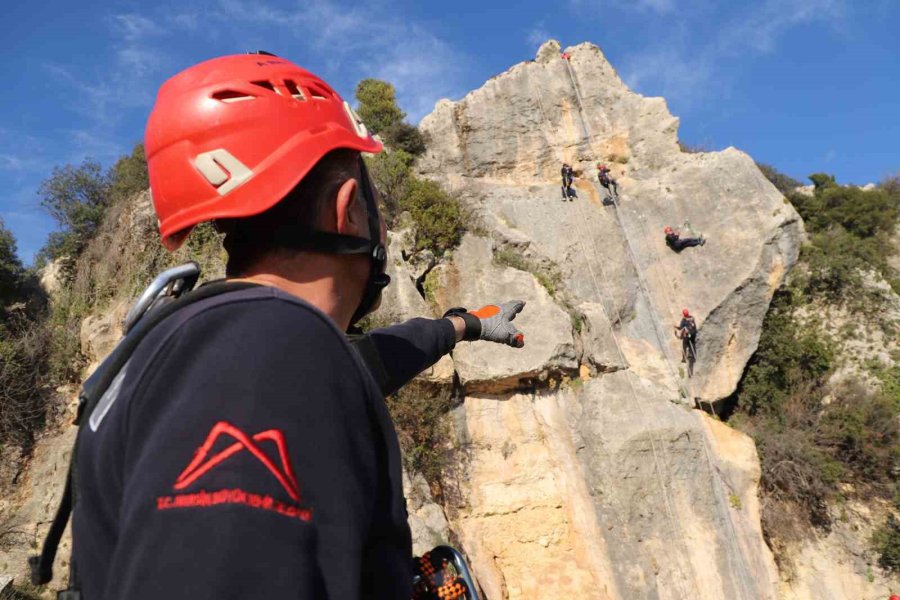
column 687, row 331
column 606, row 181
column 678, row 243
column 244, row 450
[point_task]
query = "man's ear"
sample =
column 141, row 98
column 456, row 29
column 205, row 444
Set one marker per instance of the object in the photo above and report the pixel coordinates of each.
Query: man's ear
column 348, row 214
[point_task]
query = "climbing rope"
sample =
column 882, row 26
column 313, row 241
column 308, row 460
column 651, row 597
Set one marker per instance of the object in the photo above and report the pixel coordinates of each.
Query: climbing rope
column 629, row 374
column 742, row 568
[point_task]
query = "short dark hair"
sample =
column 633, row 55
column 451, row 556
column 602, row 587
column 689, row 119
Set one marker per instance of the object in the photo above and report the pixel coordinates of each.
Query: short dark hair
column 249, row 239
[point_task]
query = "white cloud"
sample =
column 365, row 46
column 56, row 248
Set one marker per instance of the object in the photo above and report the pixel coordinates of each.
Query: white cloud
column 758, row 30
column 133, row 27
column 367, row 41
column 537, row 35
column 660, row 7
column 683, row 68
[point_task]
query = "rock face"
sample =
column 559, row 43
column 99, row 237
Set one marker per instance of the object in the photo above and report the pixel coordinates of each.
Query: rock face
column 583, row 470
column 580, row 468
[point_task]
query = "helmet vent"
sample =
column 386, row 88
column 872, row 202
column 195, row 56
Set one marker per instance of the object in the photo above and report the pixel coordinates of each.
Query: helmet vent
column 232, row 96
column 318, row 92
column 294, row 90
column 266, row 84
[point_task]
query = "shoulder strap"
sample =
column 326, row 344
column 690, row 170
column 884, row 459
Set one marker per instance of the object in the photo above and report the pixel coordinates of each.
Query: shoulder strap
column 42, row 565
column 364, row 345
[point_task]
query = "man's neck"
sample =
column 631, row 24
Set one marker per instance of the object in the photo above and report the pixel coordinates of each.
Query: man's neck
column 319, row 287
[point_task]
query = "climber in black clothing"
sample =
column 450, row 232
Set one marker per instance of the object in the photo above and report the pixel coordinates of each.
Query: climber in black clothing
column 606, row 181
column 568, row 177
column 687, row 331
column 678, row 243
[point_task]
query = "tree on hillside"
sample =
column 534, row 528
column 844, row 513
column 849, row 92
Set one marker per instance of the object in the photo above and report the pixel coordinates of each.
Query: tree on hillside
column 378, row 104
column 77, row 197
column 822, row 180
column 129, row 175
column 378, row 109
column 11, row 271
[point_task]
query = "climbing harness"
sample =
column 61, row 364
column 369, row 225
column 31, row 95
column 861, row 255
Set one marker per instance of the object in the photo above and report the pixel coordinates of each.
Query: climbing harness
column 745, row 590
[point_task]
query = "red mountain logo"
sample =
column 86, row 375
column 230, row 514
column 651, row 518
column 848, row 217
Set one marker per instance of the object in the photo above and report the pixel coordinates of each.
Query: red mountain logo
column 203, row 463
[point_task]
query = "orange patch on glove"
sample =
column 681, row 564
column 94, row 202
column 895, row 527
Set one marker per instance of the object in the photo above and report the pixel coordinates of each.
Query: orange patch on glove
column 485, row 312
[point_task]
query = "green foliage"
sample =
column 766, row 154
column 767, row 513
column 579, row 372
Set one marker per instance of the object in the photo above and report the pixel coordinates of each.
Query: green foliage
column 549, row 280
column 77, row 197
column 783, row 183
column 886, row 542
column 860, row 429
column 850, row 235
column 24, row 389
column 436, row 215
column 129, row 175
column 419, row 413
column 822, row 180
column 405, row 137
column 378, row 105
column 391, row 171
column 11, row 271
column 787, row 360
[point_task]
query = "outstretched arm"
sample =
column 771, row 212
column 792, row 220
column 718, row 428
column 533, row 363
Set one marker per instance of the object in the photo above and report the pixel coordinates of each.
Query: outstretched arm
column 404, row 350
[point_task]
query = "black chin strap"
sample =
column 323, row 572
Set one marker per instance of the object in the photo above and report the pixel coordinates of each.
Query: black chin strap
column 336, row 243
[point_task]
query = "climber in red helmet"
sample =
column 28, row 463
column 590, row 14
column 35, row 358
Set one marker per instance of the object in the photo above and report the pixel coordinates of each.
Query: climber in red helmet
column 678, row 243
column 687, row 331
column 606, row 181
column 245, row 450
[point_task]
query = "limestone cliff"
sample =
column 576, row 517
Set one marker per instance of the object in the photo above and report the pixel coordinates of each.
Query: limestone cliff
column 580, row 467
column 587, row 474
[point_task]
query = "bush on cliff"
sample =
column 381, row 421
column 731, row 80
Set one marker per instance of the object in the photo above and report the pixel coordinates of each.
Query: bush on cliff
column 78, row 198
column 378, row 109
column 813, row 436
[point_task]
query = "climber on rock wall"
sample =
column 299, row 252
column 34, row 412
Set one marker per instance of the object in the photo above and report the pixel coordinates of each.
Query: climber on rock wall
column 606, row 181
column 678, row 243
column 568, row 178
column 687, row 331
column 244, row 448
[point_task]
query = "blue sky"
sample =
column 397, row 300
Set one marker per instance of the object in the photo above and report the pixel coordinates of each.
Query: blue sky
column 806, row 85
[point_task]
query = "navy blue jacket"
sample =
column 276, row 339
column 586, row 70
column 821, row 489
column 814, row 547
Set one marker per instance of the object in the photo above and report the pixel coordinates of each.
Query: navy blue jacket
column 248, row 453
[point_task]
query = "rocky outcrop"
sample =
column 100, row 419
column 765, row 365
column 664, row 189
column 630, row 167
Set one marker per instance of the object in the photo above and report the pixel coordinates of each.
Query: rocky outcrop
column 580, row 467
column 585, row 473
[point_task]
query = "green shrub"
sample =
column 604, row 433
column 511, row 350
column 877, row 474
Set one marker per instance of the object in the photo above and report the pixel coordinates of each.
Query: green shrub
column 822, row 180
column 25, row 388
column 11, row 270
column 129, row 175
column 377, row 105
column 405, row 137
column 886, row 542
column 788, row 359
column 391, row 171
column 783, row 183
column 436, row 216
column 77, row 198
column 419, row 413
column 860, row 429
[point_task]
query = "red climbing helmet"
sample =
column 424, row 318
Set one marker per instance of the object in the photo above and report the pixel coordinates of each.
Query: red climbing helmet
column 667, row 230
column 601, row 167
column 685, row 312
column 230, row 137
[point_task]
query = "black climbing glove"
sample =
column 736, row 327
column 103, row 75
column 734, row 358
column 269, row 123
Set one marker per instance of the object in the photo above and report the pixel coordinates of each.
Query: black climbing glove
column 492, row 323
